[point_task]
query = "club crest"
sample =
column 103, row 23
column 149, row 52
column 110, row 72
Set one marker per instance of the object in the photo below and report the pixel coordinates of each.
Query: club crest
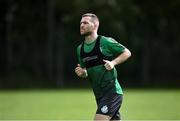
column 104, row 109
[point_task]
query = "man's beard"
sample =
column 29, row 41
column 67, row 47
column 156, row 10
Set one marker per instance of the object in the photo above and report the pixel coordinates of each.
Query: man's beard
column 86, row 34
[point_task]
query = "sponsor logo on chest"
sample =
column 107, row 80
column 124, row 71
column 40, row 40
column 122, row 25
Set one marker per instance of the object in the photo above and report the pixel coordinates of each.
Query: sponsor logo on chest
column 90, row 58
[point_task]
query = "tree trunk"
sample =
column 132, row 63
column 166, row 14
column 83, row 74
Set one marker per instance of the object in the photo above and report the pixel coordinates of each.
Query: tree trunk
column 50, row 39
column 60, row 58
column 146, row 63
column 9, row 42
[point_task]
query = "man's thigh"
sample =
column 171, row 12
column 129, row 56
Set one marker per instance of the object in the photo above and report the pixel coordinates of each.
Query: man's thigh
column 101, row 117
column 108, row 107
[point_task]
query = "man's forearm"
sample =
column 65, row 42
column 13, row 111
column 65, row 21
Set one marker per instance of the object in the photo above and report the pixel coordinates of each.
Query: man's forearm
column 122, row 57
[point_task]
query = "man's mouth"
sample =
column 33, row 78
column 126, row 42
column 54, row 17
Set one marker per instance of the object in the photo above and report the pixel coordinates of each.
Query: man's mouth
column 81, row 30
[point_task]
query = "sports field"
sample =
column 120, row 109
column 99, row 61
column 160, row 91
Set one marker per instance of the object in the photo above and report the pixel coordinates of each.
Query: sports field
column 79, row 104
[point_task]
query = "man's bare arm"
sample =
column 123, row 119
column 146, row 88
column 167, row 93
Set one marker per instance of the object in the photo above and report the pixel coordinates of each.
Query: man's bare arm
column 118, row 60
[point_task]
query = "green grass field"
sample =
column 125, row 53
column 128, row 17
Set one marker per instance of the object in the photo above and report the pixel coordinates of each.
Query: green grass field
column 79, row 104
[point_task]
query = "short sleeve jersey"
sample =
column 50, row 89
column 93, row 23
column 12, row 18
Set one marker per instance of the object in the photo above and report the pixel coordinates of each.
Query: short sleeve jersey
column 102, row 80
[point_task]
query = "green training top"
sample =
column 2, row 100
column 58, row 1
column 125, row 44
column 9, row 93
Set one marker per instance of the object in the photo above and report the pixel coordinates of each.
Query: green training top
column 102, row 80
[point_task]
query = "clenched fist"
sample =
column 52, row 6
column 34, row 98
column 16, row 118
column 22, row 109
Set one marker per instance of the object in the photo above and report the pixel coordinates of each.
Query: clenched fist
column 81, row 72
column 108, row 65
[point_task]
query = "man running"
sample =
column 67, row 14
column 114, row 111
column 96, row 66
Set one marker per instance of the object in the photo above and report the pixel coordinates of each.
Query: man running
column 98, row 55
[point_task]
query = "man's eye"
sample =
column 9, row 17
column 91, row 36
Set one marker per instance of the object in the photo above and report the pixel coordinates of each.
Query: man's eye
column 85, row 22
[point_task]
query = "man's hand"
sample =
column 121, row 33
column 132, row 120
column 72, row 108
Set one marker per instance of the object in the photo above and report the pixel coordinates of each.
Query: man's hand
column 108, row 65
column 81, row 72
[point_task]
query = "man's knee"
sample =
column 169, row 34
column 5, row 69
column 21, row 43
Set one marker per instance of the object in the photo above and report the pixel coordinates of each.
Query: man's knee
column 101, row 117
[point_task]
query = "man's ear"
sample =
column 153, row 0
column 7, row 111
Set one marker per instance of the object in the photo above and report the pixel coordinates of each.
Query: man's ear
column 95, row 26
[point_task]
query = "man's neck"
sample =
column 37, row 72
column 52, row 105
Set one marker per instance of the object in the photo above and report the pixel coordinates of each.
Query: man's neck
column 91, row 38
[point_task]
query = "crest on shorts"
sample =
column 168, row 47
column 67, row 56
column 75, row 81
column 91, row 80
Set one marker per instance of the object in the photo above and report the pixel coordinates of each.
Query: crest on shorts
column 104, row 109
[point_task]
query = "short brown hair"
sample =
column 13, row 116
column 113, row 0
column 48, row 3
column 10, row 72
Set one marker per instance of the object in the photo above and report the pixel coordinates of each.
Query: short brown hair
column 93, row 16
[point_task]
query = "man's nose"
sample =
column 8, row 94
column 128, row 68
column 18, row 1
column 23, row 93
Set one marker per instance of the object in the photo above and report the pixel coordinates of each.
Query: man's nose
column 82, row 26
